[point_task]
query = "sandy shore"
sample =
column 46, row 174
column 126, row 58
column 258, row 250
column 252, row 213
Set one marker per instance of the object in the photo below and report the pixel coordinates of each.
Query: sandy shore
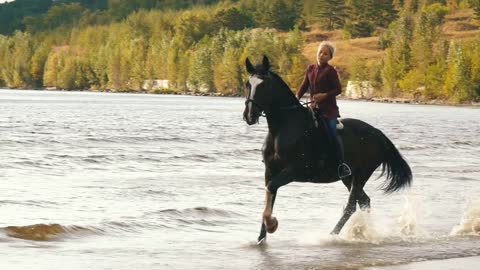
column 467, row 263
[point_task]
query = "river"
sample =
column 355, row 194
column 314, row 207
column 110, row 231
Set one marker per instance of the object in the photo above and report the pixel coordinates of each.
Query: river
column 135, row 181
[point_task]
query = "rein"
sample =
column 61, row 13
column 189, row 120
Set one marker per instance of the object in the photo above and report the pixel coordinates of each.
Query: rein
column 264, row 110
column 285, row 108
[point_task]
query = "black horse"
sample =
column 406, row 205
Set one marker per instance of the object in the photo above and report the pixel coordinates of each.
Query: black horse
column 295, row 150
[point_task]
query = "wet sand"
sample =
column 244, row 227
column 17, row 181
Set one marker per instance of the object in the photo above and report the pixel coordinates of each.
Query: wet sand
column 467, row 263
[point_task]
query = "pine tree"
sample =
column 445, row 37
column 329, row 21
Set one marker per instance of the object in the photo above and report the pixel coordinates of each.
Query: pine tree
column 383, row 12
column 360, row 22
column 397, row 61
column 331, row 13
column 458, row 85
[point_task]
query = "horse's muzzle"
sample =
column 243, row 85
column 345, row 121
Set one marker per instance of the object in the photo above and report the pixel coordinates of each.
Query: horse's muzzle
column 251, row 115
column 251, row 119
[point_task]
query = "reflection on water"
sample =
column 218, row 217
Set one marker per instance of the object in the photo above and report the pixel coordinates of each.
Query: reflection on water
column 125, row 181
column 44, row 232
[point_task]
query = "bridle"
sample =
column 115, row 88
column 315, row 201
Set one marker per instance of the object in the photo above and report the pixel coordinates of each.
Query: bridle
column 263, row 109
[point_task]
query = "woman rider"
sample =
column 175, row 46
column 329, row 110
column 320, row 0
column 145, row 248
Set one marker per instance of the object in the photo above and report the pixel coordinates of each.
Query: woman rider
column 324, row 85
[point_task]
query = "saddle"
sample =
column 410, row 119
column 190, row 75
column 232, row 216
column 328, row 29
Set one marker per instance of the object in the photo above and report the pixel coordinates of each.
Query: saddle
column 336, row 153
column 315, row 120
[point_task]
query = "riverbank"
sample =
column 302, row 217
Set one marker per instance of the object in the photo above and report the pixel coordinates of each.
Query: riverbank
column 154, row 92
column 412, row 101
column 215, row 94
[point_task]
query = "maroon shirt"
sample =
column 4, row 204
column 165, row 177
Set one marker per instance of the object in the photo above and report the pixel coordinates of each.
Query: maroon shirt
column 322, row 79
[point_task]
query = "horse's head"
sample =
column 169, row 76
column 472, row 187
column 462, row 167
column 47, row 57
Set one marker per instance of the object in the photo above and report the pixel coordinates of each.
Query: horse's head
column 258, row 91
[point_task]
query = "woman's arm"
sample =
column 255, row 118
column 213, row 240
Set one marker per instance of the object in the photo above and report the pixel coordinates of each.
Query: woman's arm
column 303, row 88
column 337, row 87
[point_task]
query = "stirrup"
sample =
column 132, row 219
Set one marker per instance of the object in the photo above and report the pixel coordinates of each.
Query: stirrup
column 344, row 170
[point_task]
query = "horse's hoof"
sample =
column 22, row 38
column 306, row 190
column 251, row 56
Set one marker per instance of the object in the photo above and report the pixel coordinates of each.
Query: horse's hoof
column 273, row 227
column 262, row 241
column 335, row 232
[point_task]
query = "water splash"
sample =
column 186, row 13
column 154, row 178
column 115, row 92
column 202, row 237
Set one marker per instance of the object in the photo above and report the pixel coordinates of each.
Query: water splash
column 408, row 221
column 361, row 228
column 470, row 223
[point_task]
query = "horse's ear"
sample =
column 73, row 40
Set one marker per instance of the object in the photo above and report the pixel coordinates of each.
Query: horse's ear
column 266, row 63
column 250, row 68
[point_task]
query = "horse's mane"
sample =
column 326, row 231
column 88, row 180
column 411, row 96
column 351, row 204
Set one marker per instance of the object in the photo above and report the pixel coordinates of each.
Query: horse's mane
column 284, row 84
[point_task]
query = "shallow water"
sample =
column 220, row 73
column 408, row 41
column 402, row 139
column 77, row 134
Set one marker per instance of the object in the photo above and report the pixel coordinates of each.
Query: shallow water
column 125, row 181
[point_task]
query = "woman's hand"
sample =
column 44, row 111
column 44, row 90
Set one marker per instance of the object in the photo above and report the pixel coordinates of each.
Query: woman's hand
column 319, row 97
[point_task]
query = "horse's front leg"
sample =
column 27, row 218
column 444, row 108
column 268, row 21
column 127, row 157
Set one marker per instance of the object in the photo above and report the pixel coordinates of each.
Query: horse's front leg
column 270, row 223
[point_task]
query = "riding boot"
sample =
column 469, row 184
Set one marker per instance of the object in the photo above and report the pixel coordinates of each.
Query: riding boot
column 343, row 168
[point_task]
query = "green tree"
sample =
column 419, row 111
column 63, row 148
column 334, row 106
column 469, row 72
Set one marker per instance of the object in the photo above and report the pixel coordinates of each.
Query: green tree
column 67, row 71
column 331, row 13
column 359, row 70
column 201, row 67
column 458, row 85
column 64, row 15
column 51, row 69
column 295, row 73
column 15, row 68
column 234, row 19
column 364, row 16
column 292, row 62
column 38, row 60
column 13, row 13
column 228, row 74
column 426, row 35
column 397, row 60
column 278, row 14
column 138, row 49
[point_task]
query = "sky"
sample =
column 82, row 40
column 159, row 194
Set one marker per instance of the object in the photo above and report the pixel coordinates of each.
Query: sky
column 3, row 1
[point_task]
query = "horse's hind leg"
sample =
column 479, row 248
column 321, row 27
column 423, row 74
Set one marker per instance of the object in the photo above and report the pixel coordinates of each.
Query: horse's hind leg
column 348, row 211
column 355, row 186
column 363, row 200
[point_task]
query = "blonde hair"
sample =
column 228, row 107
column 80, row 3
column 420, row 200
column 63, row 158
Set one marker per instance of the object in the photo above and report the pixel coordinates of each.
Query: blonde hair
column 327, row 44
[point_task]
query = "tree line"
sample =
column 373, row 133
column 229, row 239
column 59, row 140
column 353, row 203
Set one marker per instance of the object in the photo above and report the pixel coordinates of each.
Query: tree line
column 420, row 62
column 201, row 44
column 191, row 48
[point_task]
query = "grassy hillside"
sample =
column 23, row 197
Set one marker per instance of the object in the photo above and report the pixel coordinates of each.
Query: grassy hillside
column 460, row 25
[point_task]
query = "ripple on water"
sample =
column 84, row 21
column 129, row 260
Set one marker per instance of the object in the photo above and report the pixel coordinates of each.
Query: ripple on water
column 35, row 203
column 194, row 157
column 196, row 218
column 49, row 232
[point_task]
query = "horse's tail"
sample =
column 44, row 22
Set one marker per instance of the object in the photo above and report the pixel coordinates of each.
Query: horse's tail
column 394, row 166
